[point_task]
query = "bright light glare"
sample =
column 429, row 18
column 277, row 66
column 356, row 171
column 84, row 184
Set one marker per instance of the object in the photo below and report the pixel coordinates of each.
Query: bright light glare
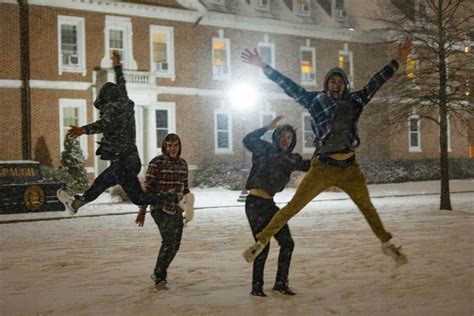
column 242, row 96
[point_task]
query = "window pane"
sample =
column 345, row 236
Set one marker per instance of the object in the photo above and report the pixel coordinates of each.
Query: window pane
column 161, row 118
column 413, row 125
column 222, row 122
column 308, row 139
column 222, row 140
column 70, row 116
column 159, row 48
column 116, row 39
column 69, row 44
column 160, row 135
column 414, row 139
column 266, row 54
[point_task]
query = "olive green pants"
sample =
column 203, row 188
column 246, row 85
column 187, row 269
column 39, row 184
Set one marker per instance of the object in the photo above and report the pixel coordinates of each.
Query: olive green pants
column 320, row 177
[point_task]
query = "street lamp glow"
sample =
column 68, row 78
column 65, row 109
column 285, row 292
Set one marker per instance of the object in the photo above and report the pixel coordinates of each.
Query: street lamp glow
column 242, row 96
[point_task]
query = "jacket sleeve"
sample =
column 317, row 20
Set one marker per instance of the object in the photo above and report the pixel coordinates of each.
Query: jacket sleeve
column 291, row 88
column 365, row 95
column 301, row 164
column 106, row 119
column 120, row 81
column 186, row 180
column 253, row 142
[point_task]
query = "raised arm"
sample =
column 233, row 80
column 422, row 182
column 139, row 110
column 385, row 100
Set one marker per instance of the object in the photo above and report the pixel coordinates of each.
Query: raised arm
column 291, row 88
column 253, row 142
column 119, row 78
column 379, row 79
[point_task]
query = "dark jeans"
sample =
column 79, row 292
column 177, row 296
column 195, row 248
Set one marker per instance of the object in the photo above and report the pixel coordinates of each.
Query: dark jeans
column 123, row 171
column 259, row 213
column 171, row 231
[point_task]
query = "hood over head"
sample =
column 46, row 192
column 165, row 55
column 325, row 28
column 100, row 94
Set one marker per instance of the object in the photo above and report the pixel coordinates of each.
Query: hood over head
column 170, row 137
column 341, row 73
column 277, row 135
column 108, row 93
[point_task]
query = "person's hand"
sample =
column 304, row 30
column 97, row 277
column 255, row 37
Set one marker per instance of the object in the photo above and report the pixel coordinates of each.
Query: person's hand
column 404, row 49
column 75, row 132
column 116, row 58
column 274, row 123
column 140, row 220
column 253, row 59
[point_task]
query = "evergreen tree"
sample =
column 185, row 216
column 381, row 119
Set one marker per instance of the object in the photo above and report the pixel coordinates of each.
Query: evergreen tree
column 72, row 164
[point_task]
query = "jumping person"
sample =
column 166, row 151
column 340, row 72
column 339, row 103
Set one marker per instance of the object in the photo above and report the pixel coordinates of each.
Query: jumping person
column 117, row 125
column 167, row 172
column 334, row 115
column 272, row 165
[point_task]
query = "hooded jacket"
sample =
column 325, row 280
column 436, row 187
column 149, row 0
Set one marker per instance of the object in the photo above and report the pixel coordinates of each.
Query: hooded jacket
column 166, row 174
column 272, row 166
column 116, row 119
column 320, row 104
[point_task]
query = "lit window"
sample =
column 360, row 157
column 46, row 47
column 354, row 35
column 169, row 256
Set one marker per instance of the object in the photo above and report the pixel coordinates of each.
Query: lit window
column 221, row 58
column 308, row 69
column 412, row 68
column 162, row 51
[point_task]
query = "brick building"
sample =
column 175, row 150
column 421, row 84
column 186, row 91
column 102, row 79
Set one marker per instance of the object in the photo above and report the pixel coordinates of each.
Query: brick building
column 183, row 76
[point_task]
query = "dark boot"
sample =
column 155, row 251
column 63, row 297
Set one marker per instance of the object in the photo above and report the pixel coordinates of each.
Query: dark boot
column 283, row 288
column 257, row 290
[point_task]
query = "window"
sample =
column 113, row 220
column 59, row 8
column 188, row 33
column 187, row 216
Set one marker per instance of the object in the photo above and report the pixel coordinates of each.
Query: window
column 412, row 69
column 72, row 112
column 220, row 58
column 223, row 132
column 339, row 9
column 71, row 45
column 308, row 134
column 345, row 63
column 267, row 52
column 308, row 68
column 265, row 119
column 118, row 36
column 263, row 5
column 421, row 12
column 414, row 141
column 162, row 51
column 301, row 7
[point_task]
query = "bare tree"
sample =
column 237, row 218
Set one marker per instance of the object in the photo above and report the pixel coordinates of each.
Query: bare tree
column 438, row 80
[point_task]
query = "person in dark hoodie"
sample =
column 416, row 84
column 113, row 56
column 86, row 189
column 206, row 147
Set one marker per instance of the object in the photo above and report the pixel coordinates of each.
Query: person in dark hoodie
column 167, row 172
column 272, row 165
column 334, row 115
column 117, row 125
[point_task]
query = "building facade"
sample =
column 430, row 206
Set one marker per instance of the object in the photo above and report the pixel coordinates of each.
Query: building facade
column 183, row 70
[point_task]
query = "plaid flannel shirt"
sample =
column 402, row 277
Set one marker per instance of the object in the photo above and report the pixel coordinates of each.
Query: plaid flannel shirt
column 320, row 105
column 165, row 174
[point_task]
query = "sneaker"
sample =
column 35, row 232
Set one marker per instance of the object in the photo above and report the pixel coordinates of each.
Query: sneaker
column 253, row 251
column 283, row 288
column 159, row 282
column 258, row 292
column 71, row 204
column 393, row 251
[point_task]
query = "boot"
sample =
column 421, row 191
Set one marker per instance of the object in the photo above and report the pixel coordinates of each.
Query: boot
column 283, row 288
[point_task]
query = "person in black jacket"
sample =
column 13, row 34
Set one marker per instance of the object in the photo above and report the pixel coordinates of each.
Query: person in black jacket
column 272, row 165
column 117, row 125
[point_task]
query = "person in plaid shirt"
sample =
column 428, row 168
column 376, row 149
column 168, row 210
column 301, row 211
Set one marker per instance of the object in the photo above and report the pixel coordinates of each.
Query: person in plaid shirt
column 334, row 115
column 167, row 172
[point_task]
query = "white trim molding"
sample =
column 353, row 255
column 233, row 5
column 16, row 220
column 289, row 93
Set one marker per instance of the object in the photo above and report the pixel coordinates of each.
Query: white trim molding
column 11, row 84
column 60, row 85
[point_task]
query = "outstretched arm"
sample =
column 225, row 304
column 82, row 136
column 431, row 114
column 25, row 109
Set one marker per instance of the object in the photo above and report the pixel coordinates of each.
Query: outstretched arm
column 119, row 78
column 378, row 80
column 253, row 142
column 291, row 88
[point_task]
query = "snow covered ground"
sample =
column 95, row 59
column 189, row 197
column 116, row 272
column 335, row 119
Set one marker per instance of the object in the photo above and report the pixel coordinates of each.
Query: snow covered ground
column 101, row 264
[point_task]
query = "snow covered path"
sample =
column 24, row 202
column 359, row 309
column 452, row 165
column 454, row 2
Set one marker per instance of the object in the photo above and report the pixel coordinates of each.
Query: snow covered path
column 101, row 265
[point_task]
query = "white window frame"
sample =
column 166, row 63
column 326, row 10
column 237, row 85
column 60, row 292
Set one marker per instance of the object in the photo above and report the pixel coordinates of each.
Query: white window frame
column 348, row 53
column 258, row 5
column 218, row 150
column 268, row 134
column 123, row 24
column 410, row 147
column 339, row 14
column 80, row 104
column 272, row 48
column 169, row 31
column 79, row 22
column 297, row 8
column 304, row 81
column 170, row 107
column 306, row 150
column 215, row 73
